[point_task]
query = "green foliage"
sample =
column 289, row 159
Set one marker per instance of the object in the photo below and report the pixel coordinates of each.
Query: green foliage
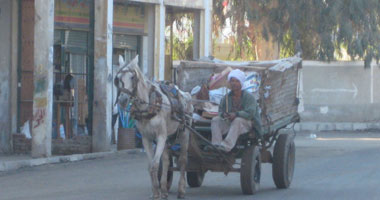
column 323, row 27
column 183, row 50
column 182, row 35
column 287, row 49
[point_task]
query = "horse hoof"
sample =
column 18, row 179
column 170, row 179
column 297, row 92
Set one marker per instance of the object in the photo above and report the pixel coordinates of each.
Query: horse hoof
column 155, row 197
column 164, row 196
column 181, row 196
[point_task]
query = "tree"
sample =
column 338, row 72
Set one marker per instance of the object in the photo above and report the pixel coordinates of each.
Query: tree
column 323, row 27
column 181, row 45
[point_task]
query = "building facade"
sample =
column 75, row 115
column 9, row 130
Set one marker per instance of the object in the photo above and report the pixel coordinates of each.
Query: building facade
column 58, row 58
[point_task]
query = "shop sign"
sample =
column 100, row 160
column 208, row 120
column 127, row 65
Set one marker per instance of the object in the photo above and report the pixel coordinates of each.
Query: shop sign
column 72, row 14
column 185, row 3
column 128, row 18
column 198, row 4
column 143, row 1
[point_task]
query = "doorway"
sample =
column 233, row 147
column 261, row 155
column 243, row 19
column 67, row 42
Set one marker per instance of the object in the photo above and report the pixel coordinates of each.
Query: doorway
column 71, row 84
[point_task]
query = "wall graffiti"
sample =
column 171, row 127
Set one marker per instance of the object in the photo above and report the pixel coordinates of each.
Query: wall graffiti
column 40, row 71
column 39, row 117
column 40, row 85
column 40, row 96
column 40, row 102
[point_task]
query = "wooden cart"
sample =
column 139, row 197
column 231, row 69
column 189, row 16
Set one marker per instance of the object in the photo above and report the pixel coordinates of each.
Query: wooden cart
column 277, row 94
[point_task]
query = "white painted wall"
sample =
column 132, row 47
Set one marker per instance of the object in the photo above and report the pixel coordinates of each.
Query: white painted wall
column 150, row 40
column 102, row 107
column 340, row 92
column 43, row 78
column 159, row 42
column 206, row 25
column 5, row 81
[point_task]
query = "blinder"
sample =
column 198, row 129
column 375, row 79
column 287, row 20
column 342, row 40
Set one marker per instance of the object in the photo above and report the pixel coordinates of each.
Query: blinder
column 119, row 81
column 120, row 84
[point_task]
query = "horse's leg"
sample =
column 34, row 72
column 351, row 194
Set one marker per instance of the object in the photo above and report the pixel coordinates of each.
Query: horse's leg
column 164, row 173
column 155, row 163
column 149, row 152
column 182, row 162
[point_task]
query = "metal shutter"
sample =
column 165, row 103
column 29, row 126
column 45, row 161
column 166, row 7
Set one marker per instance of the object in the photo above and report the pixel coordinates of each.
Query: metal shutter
column 124, row 41
column 76, row 39
column 57, row 36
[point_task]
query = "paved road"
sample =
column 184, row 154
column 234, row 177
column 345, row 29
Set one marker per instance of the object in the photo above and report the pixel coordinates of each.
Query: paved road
column 331, row 166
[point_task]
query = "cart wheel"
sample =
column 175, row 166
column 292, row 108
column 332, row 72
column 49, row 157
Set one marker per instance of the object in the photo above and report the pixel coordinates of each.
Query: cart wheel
column 250, row 171
column 170, row 173
column 195, row 179
column 283, row 161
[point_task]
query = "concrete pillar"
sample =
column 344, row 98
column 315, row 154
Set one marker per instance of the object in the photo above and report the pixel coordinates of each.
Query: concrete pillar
column 159, row 41
column 14, row 65
column 376, row 84
column 102, row 109
column 144, row 55
column 5, row 80
column 371, row 82
column 43, row 78
column 148, row 42
column 205, row 29
column 196, row 33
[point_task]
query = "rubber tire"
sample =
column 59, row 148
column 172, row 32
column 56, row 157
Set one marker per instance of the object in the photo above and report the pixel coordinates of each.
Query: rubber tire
column 195, row 179
column 283, row 161
column 250, row 171
column 170, row 174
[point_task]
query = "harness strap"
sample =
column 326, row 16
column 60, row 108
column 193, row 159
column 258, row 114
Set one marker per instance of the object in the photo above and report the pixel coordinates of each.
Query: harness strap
column 172, row 95
column 155, row 99
column 154, row 105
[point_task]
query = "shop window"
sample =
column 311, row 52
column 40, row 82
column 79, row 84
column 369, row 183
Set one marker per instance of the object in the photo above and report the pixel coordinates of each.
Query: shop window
column 70, row 85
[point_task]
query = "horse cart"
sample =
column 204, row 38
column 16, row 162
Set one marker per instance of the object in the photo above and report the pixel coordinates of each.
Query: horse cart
column 275, row 86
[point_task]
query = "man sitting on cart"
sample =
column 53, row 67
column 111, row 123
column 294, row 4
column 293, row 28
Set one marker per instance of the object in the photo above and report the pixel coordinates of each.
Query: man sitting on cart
column 237, row 111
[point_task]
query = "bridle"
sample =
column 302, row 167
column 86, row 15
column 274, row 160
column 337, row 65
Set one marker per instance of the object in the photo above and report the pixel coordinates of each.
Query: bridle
column 133, row 99
column 135, row 81
column 132, row 94
column 155, row 106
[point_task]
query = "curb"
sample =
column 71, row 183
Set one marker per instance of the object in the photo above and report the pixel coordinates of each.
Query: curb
column 17, row 164
column 342, row 126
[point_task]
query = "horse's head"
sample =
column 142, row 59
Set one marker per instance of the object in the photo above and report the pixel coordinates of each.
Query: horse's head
column 126, row 79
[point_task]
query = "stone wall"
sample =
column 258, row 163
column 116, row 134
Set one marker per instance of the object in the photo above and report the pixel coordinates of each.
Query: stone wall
column 21, row 145
column 76, row 145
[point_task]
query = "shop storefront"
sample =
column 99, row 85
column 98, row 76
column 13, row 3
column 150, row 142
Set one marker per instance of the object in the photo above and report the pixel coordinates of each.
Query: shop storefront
column 128, row 29
column 71, row 68
column 78, row 65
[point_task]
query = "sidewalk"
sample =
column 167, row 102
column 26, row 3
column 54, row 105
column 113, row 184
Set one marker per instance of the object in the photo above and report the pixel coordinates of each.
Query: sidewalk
column 337, row 126
column 9, row 162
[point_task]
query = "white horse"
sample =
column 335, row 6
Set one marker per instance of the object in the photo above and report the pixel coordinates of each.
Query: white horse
column 153, row 113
